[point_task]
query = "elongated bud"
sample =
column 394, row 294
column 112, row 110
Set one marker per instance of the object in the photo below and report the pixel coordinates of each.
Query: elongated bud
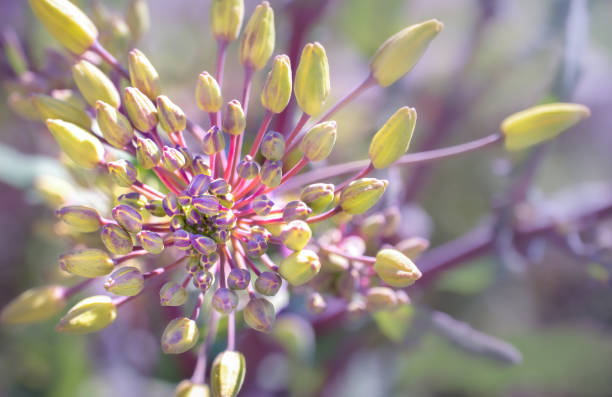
column 147, row 153
column 227, row 374
column 273, row 145
column 400, row 52
column 172, row 159
column 361, row 195
column 206, row 204
column 80, row 218
column 272, row 173
column 224, row 300
column 238, row 279
column 295, row 210
column 143, row 75
column 129, row 218
column 199, row 185
column 219, row 187
column 116, row 239
column 82, row 147
column 204, row 245
column 247, row 168
column 213, row 141
column 14, row 53
column 151, row 242
column 89, row 262
column 262, row 205
column 296, row 234
column 34, row 305
column 257, row 42
column 115, row 127
column 208, row 93
column 53, row 108
column 319, row 141
column 312, row 79
column 200, row 166
column 94, row 84
column 393, row 138
column 381, row 298
column 226, row 19
column 541, row 123
column 123, row 172
column 66, row 23
column 171, row 117
column 396, row 269
column 259, row 314
column 137, row 18
column 170, row 204
column 140, row 109
column 189, row 389
column 23, row 106
column 182, row 239
column 234, row 121
column 318, row 196
column 300, row 267
column 89, row 315
column 180, row 335
column 172, row 294
column 127, row 281
column 133, row 199
column 276, row 92
column 412, row 247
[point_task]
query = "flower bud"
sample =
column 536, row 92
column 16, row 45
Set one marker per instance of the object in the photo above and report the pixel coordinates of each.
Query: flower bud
column 133, row 199
column 206, row 205
column 180, row 335
column 361, row 195
column 137, row 18
column 268, row 283
column 276, row 92
column 256, row 246
column 319, row 141
column 207, row 261
column 123, row 172
column 208, row 93
column 115, row 127
column 189, row 389
column 200, row 166
column 80, row 218
column 127, row 281
column 224, row 300
column 171, row 117
column 170, row 204
column 94, row 84
column 318, row 196
column 128, row 218
column 23, row 106
column 296, row 234
column 396, row 269
column 156, row 208
column 89, row 262
column 312, row 79
column 234, row 120
column 227, row 374
column 213, row 141
column 66, row 23
column 296, row 210
column 315, row 303
column 89, row 315
column 151, row 242
column 412, row 247
column 393, row 138
column 116, row 239
column 53, row 108
column 140, row 109
column 226, row 19
column 238, row 279
column 177, row 222
column 541, row 123
column 172, row 159
column 203, row 280
column 300, row 267
column 34, row 305
column 259, row 314
column 247, row 168
column 219, row 187
column 182, row 239
column 381, row 298
column 400, row 52
column 262, row 205
column 143, row 75
column 82, row 147
column 172, row 294
column 204, row 245
column 257, row 42
column 272, row 145
column 272, row 173
column 147, row 153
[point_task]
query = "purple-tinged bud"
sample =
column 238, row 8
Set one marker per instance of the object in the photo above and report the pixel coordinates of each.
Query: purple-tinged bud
column 221, row 236
column 247, row 168
column 224, row 300
column 300, row 267
column 192, row 217
column 89, row 262
column 147, row 153
column 208, row 260
column 128, row 218
column 143, row 75
column 172, row 159
column 123, row 172
column 200, row 166
column 238, row 279
column 204, row 245
column 133, row 199
column 224, row 219
column 206, row 204
column 296, row 210
column 234, row 120
column 170, row 204
column 318, row 196
column 296, row 234
column 227, row 374
column 193, row 264
column 258, row 37
column 180, row 335
column 116, row 239
column 127, row 281
column 260, row 231
column 319, row 141
column 219, row 187
column 213, row 141
column 208, row 93
column 262, row 205
column 199, row 185
column 115, row 127
column 315, row 303
column 182, row 239
column 259, row 314
column 140, row 109
column 80, row 218
column 268, row 283
column 171, row 117
column 256, row 246
column 151, row 242
column 361, row 195
column 381, row 298
column 186, row 155
column 273, row 145
column 177, row 222
column 89, row 315
column 156, row 208
column 203, row 280
column 184, row 199
column 272, row 173
column 172, row 294
column 395, row 268
column 226, row 19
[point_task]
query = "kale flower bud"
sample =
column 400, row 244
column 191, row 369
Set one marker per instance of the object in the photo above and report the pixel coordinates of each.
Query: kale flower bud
column 318, row 196
column 123, row 172
column 147, row 153
column 89, row 315
column 53, row 108
column 116, row 239
column 151, row 242
column 238, row 279
column 203, row 280
column 234, row 120
column 312, row 79
column 208, row 93
column 268, row 283
column 172, row 294
column 80, row 218
column 262, row 205
column 180, row 335
column 127, row 281
column 393, row 138
column 381, row 298
column 227, row 374
column 247, row 168
column 182, row 239
column 257, row 42
column 273, row 145
column 206, row 204
column 259, row 314
column 296, row 210
column 207, row 260
column 198, row 185
column 300, row 267
column 272, row 173
column 296, row 234
column 276, row 92
column 226, row 19
column 224, row 300
column 319, row 141
column 199, row 166
column 170, row 204
column 82, row 147
column 141, row 111
column 115, row 127
column 128, row 218
column 171, row 117
column 213, row 141
column 89, row 262
column 172, row 159
column 256, row 246
column 137, row 18
column 189, row 389
column 219, row 187
column 412, row 247
column 143, row 75
column 94, row 85
column 34, row 305
column 360, row 195
column 133, row 199
column 396, row 269
column 204, row 245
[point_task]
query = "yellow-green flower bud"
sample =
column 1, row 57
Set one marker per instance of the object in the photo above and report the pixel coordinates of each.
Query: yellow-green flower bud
column 296, row 234
column 189, row 389
column 273, row 145
column 226, row 19
column 312, row 79
column 147, row 153
column 300, row 267
column 272, row 173
column 257, row 42
column 180, row 335
column 361, row 195
column 276, row 92
column 396, row 269
column 128, row 217
column 94, row 84
column 89, row 315
column 23, row 106
column 140, row 109
column 381, row 298
column 319, row 141
column 318, row 196
column 143, row 74
column 208, row 93
column 541, row 123
column 234, row 121
column 116, row 239
column 133, row 199
column 34, row 305
column 137, row 18
column 172, row 294
column 400, row 52
column 393, row 138
column 247, row 168
column 171, row 117
column 14, row 53
column 213, row 141
column 53, row 108
column 115, row 127
column 259, row 314
column 88, row 262
column 227, row 374
column 295, row 210
column 172, row 159
column 412, row 247
column 66, row 23
column 123, row 172
column 127, row 281
column 82, row 147
column 80, row 218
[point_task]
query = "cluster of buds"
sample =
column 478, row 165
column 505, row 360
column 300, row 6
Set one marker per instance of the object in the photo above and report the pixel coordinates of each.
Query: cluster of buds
column 222, row 214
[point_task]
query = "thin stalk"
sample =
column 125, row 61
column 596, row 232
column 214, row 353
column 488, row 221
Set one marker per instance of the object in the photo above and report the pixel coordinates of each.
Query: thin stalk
column 348, row 98
column 262, row 129
column 231, row 332
column 221, row 53
column 198, row 305
column 296, row 130
column 199, row 372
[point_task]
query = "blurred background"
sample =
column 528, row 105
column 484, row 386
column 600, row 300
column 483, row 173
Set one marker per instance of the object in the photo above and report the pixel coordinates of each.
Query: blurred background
column 530, row 321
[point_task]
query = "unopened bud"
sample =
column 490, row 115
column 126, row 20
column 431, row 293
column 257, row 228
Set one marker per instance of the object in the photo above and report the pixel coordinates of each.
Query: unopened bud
column 393, row 138
column 137, row 18
column 227, row 374
column 123, row 172
column 256, row 246
column 300, row 267
column 89, row 315
column 115, row 127
column 204, row 245
column 189, row 389
column 312, row 79
column 234, row 120
column 127, row 281
column 140, row 109
column 213, row 141
column 143, row 75
column 207, row 261
column 182, row 239
column 238, row 279
column 172, row 294
column 203, row 280
column 89, row 262
column 381, row 298
column 273, row 145
column 80, row 218
column 224, row 300
column 361, row 195
column 206, row 204
column 147, row 153
column 396, row 269
column 208, row 93
column 319, row 141
column 172, row 159
column 133, row 199
column 276, row 92
column 128, row 218
column 171, row 117
column 296, row 234
column 170, row 204
column 82, row 147
column 34, row 305
column 247, row 168
column 262, row 205
column 226, row 19
column 268, row 283
column 296, row 210
column 53, row 108
column 257, row 42
column 318, row 196
column 94, row 84
column 259, row 314
column 180, row 335
column 412, row 247
column 200, row 166
column 151, row 242
column 219, row 187
column 272, row 173
column 116, row 239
